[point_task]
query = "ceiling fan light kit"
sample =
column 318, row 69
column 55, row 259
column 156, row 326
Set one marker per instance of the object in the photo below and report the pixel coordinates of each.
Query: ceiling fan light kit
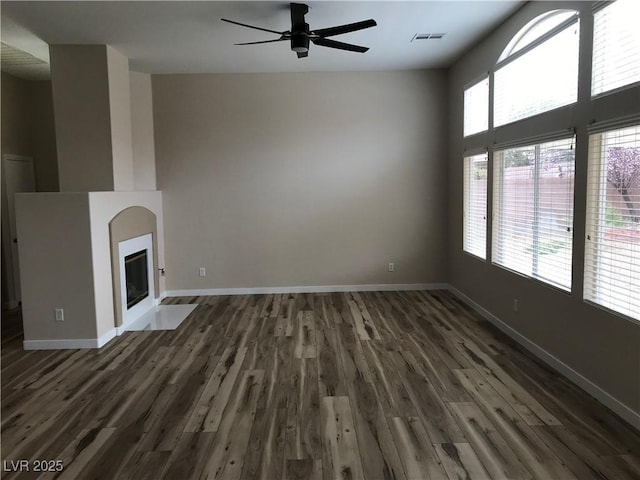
column 300, row 35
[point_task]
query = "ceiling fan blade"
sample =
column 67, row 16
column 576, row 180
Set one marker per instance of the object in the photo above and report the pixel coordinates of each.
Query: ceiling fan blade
column 262, row 41
column 298, row 11
column 325, row 42
column 340, row 29
column 251, row 26
column 303, row 54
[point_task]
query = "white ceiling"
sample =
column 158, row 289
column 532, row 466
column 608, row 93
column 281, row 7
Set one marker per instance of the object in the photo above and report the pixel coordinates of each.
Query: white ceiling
column 188, row 37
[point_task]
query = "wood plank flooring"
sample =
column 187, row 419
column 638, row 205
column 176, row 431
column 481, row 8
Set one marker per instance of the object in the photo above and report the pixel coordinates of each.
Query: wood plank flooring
column 375, row 386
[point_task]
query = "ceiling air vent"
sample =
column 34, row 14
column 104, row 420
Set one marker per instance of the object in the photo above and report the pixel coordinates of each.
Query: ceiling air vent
column 427, row 36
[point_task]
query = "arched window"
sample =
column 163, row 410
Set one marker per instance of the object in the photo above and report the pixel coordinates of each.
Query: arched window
column 538, row 70
column 535, row 29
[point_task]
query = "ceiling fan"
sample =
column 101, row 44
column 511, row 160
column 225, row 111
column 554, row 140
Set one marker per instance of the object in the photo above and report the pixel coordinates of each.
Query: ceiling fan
column 300, row 35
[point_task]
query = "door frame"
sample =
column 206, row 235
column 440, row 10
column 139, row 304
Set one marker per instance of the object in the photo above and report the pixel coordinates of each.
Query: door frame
column 9, row 247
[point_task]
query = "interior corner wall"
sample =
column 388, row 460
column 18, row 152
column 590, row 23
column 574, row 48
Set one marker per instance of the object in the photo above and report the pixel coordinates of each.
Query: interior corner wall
column 307, row 179
column 28, row 127
column 15, row 116
column 15, row 139
column 43, row 136
column 80, row 83
column 143, row 148
column 600, row 347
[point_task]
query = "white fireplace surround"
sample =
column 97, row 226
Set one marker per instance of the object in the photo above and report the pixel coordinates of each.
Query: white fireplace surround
column 128, row 247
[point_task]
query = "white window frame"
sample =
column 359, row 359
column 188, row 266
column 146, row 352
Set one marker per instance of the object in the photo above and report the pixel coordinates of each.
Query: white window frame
column 469, row 221
column 498, row 209
column 595, row 222
column 471, row 92
column 507, row 58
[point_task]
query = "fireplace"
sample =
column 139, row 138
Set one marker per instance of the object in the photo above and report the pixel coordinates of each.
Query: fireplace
column 135, row 266
column 136, row 278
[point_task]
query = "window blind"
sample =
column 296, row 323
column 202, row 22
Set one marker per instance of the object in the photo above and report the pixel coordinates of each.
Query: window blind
column 533, row 210
column 612, row 254
column 544, row 78
column 616, row 46
column 476, row 108
column 475, row 205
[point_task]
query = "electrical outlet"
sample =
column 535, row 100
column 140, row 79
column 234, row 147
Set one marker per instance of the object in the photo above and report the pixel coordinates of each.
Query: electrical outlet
column 203, row 272
column 515, row 305
column 392, row 267
column 59, row 313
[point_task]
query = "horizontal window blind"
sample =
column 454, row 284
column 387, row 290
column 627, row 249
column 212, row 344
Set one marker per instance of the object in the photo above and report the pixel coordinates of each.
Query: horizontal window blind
column 533, row 210
column 475, row 205
column 476, row 108
column 612, row 255
column 616, row 46
column 544, row 78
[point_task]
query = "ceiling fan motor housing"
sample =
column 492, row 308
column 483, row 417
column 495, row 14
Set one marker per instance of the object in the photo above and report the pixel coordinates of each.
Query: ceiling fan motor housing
column 300, row 42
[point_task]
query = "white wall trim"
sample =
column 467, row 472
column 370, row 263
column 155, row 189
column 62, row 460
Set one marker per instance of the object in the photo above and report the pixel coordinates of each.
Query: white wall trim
column 104, row 339
column 632, row 417
column 129, row 320
column 69, row 344
column 306, row 289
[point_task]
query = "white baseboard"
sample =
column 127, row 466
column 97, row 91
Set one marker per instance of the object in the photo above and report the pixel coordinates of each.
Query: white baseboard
column 631, row 416
column 120, row 329
column 389, row 287
column 69, row 344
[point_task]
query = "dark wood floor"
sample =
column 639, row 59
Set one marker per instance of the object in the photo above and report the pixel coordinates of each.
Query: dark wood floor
column 11, row 325
column 406, row 385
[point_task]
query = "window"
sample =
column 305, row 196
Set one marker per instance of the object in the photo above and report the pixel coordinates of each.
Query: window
column 475, row 205
column 535, row 29
column 533, row 210
column 616, row 46
column 542, row 75
column 476, row 108
column 612, row 256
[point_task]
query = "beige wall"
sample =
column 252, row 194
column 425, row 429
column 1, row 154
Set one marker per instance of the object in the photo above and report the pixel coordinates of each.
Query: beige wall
column 302, row 179
column 144, row 156
column 43, row 136
column 602, row 347
column 120, row 115
column 82, row 115
column 15, row 129
column 56, row 265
